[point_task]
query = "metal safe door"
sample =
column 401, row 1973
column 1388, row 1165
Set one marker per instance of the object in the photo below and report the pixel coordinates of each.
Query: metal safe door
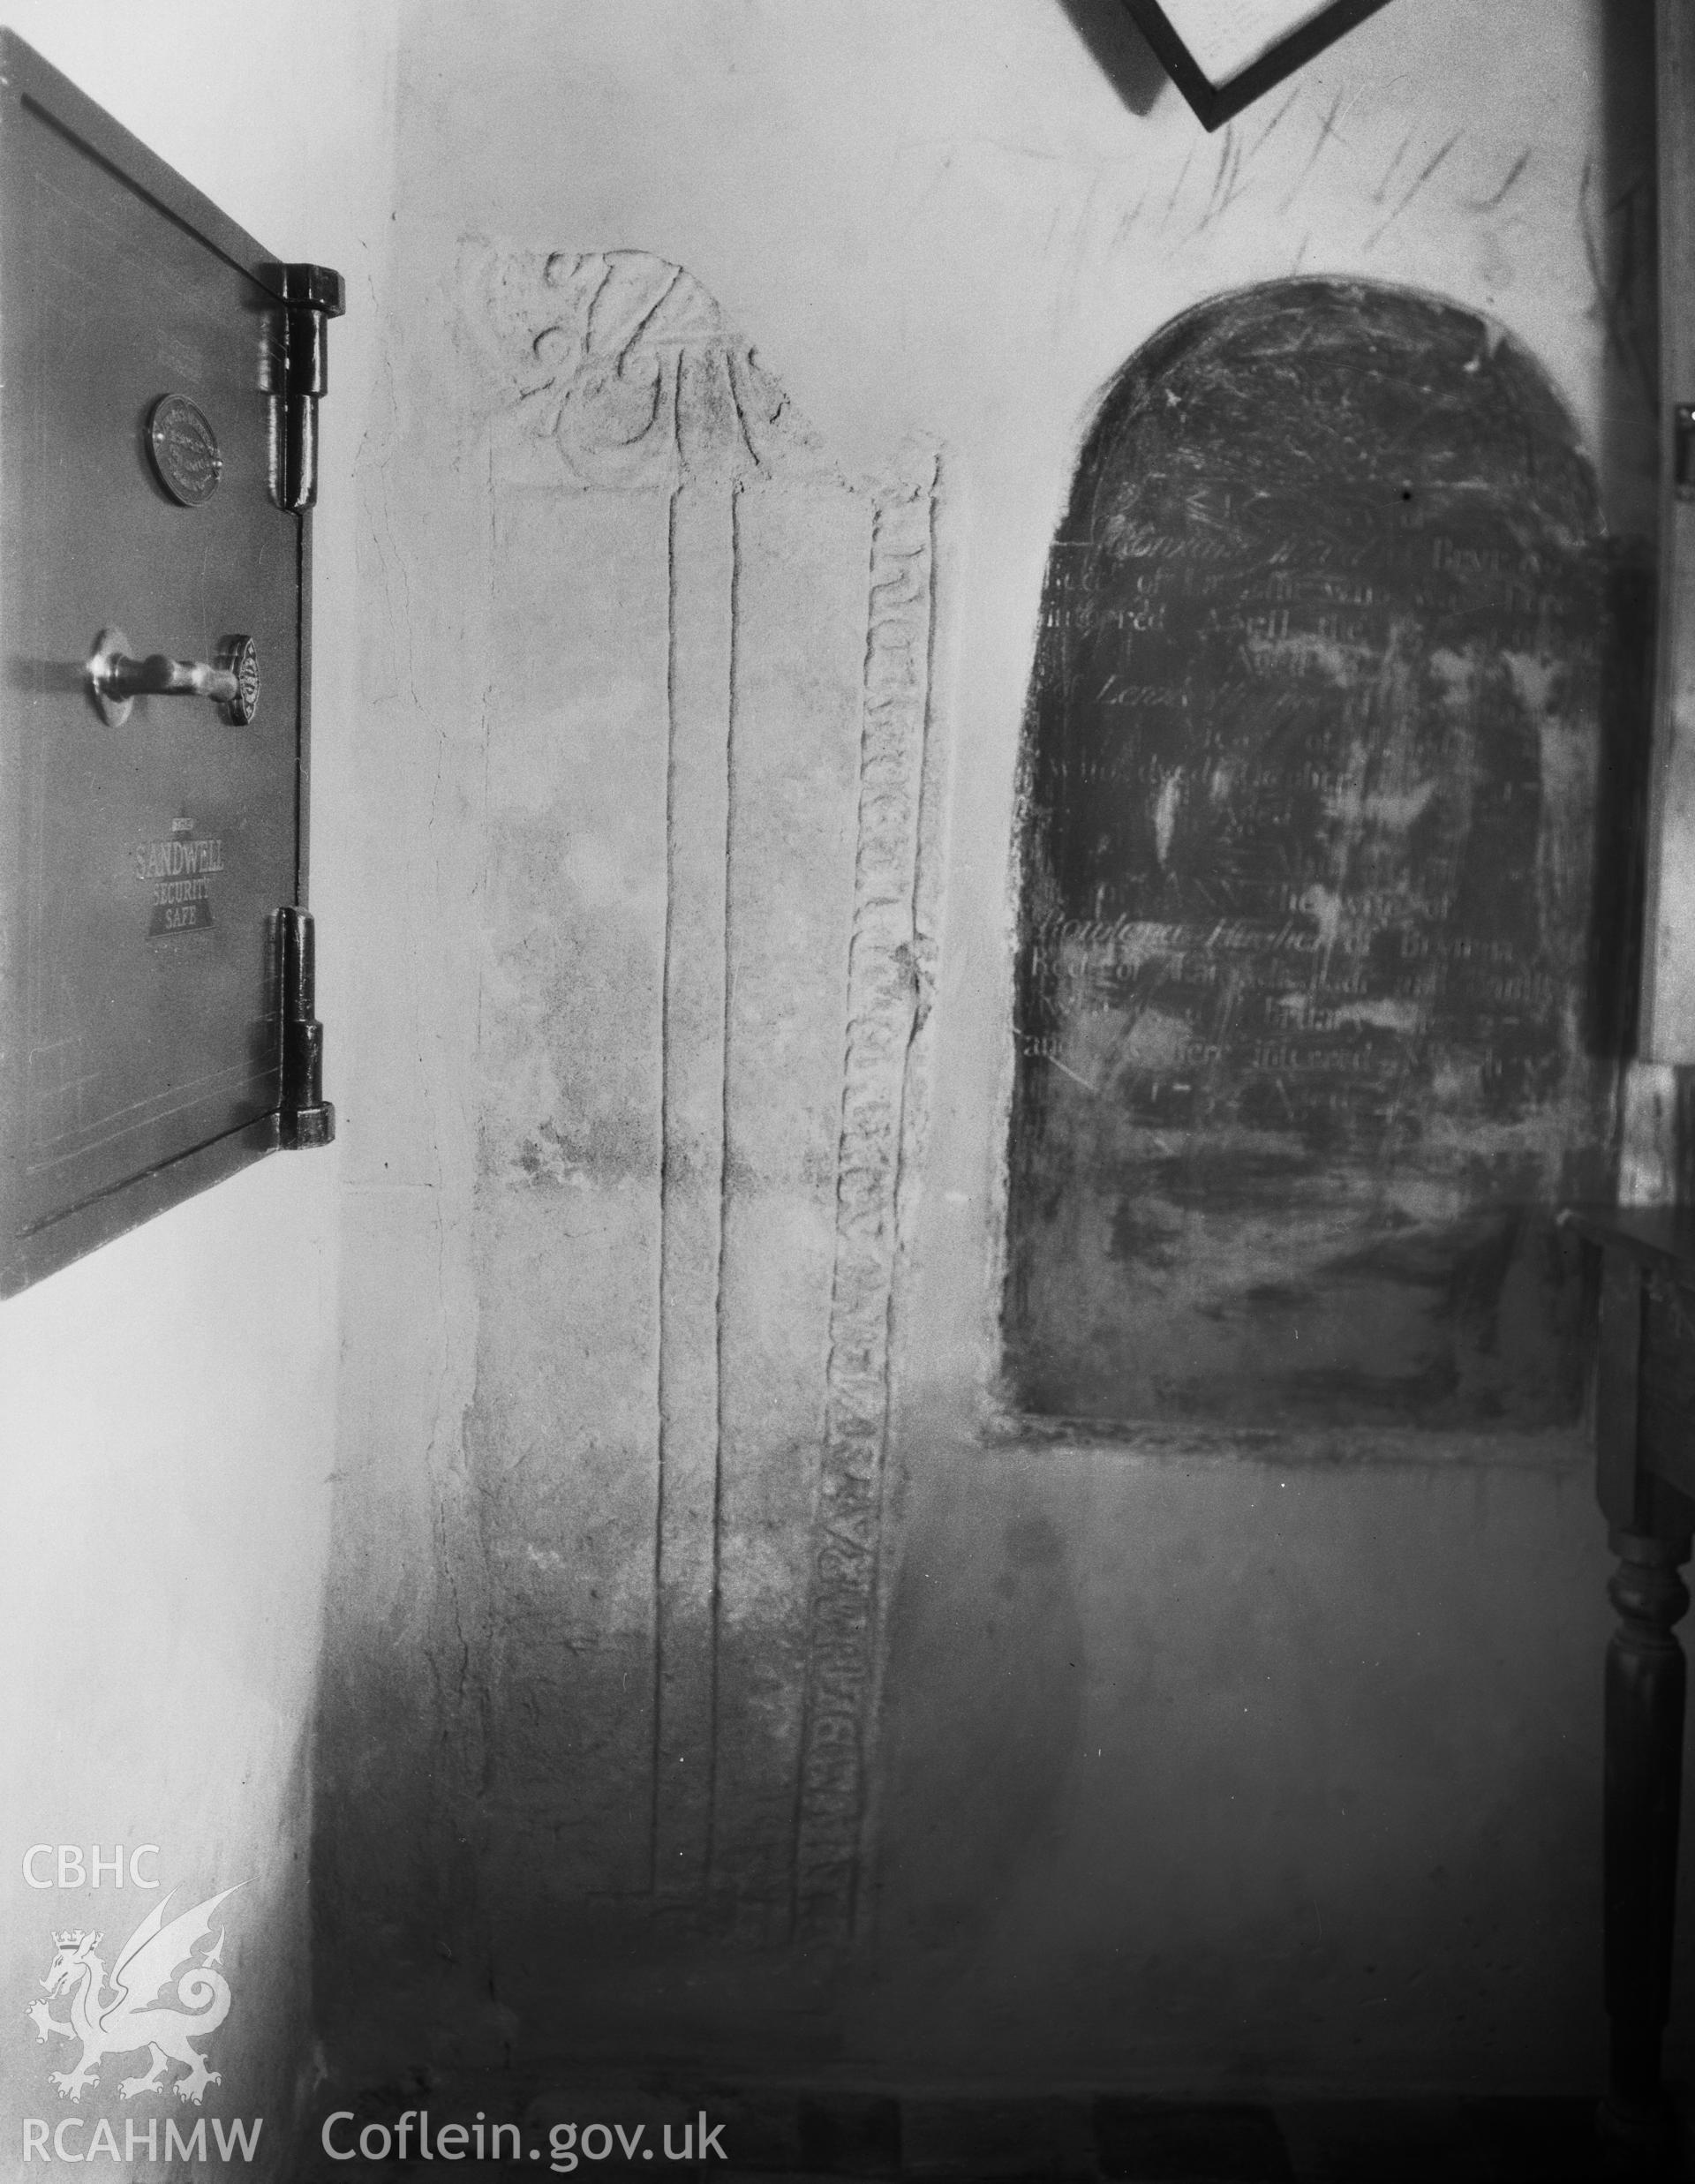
column 151, row 843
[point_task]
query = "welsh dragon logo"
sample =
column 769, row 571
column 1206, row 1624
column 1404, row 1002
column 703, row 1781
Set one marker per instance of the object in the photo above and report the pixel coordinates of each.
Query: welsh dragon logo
column 135, row 2018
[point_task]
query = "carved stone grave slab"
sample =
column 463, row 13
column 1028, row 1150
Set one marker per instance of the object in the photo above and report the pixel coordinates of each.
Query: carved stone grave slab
column 706, row 715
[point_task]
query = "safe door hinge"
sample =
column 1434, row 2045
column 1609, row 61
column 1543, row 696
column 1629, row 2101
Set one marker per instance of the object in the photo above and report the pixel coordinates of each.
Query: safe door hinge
column 314, row 295
column 307, row 1119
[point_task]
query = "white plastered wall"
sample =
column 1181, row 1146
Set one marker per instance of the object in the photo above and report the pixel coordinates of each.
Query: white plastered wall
column 167, row 1406
column 939, row 220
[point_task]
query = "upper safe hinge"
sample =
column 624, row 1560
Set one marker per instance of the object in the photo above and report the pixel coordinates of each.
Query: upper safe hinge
column 314, row 295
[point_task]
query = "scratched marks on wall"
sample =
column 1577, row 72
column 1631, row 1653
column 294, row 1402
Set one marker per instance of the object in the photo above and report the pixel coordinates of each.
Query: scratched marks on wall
column 1314, row 1008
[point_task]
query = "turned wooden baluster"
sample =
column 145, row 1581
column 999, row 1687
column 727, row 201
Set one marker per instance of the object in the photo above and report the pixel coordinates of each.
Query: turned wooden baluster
column 1644, row 1413
column 1645, row 1392
column 1645, row 1738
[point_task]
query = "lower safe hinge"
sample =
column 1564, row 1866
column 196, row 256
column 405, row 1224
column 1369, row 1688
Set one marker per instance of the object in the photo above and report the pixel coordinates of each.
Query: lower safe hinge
column 307, row 1119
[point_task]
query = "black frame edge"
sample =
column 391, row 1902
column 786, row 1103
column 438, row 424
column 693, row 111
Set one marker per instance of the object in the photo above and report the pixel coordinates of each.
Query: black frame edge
column 1215, row 104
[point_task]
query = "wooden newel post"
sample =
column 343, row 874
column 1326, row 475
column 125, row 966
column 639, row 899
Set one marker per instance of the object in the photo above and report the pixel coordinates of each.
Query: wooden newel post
column 1644, row 1481
column 1645, row 1736
column 1645, row 1394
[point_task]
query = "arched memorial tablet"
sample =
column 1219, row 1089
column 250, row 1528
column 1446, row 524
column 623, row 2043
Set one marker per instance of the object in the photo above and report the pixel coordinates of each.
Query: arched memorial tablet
column 1315, row 1013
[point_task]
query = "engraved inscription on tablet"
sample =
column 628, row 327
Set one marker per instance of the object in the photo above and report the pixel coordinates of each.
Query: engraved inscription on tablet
column 1313, row 1025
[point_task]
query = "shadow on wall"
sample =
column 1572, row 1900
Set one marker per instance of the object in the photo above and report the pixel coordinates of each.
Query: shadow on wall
column 1246, row 1768
column 1119, row 50
column 992, row 1610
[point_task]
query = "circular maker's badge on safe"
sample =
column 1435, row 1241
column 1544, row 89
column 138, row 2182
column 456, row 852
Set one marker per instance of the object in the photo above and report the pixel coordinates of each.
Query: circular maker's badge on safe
column 184, row 450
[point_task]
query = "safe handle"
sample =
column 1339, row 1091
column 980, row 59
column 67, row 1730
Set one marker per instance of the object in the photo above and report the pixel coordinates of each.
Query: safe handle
column 115, row 679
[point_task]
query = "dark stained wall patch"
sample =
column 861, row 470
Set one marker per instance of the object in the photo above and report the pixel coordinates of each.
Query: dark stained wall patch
column 1313, row 1014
